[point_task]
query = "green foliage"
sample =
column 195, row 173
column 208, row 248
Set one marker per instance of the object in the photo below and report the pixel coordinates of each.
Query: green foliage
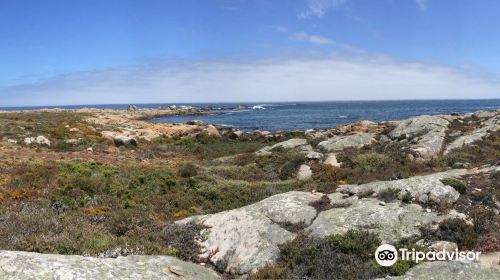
column 348, row 256
column 389, row 195
column 188, row 170
column 183, row 239
column 371, row 161
column 454, row 230
column 457, row 184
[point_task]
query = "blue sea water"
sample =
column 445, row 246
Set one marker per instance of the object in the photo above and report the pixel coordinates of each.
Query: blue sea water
column 300, row 116
column 306, row 115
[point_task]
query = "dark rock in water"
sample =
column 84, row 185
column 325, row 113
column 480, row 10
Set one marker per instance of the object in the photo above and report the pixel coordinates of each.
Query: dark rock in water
column 195, row 122
column 132, row 108
column 455, row 114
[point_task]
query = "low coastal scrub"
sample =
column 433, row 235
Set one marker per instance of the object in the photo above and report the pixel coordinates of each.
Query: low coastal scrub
column 457, row 184
column 89, row 207
column 348, row 256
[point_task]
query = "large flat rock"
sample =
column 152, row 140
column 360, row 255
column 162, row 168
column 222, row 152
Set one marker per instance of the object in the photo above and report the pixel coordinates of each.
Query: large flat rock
column 247, row 238
column 338, row 143
column 391, row 221
column 449, row 270
column 424, row 189
column 26, row 265
column 425, row 134
column 298, row 144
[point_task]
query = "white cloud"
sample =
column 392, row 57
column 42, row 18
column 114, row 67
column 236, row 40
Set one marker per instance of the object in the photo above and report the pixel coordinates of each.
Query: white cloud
column 422, row 4
column 315, row 39
column 318, row 8
column 279, row 79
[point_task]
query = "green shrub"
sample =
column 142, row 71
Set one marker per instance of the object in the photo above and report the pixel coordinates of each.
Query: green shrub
column 371, row 161
column 457, row 184
column 188, row 170
column 388, row 195
column 348, row 256
column 454, row 230
column 183, row 238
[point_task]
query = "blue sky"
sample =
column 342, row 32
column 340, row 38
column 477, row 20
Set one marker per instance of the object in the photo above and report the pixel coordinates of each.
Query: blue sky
column 121, row 51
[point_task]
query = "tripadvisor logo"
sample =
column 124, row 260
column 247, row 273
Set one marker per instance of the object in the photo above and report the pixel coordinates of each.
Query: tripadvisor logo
column 387, row 255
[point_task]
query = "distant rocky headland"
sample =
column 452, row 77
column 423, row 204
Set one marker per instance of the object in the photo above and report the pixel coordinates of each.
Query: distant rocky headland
column 126, row 198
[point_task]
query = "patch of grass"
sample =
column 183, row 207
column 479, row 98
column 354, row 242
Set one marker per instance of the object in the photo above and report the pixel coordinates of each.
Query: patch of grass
column 457, row 184
column 188, row 170
column 371, row 161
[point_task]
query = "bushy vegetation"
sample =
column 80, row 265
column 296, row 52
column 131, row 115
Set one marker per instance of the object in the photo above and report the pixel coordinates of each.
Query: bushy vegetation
column 347, row 256
column 455, row 230
column 48, row 205
column 457, row 184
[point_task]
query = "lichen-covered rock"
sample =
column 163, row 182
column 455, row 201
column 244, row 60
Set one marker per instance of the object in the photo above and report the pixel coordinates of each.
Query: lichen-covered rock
column 314, row 155
column 247, row 238
column 449, row 270
column 304, row 172
column 391, row 221
column 425, row 134
column 298, row 144
column 25, row 265
column 492, row 124
column 338, row 143
column 39, row 140
column 424, row 189
column 331, row 159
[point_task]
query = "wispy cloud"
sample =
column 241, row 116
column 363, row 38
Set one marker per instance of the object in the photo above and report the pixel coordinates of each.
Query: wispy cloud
column 422, row 4
column 314, row 39
column 318, row 8
column 273, row 79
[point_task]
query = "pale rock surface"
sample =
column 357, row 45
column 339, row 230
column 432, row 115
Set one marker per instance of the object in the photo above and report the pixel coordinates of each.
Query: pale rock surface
column 338, row 143
column 212, row 131
column 298, row 144
column 391, row 221
column 444, row 270
column 304, row 172
column 425, row 133
column 492, row 124
column 332, row 160
column 424, row 189
column 247, row 238
column 25, row 265
column 314, row 155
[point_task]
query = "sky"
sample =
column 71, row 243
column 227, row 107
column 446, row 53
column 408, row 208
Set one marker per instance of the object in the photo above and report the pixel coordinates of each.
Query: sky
column 61, row 52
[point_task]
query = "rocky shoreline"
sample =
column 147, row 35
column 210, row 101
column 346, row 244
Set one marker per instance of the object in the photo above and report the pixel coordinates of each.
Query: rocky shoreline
column 224, row 203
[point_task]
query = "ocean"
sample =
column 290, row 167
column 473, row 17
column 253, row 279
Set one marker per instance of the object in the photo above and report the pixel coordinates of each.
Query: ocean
column 306, row 115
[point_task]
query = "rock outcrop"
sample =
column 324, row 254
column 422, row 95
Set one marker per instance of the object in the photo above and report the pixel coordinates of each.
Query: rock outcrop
column 338, row 143
column 304, row 172
column 39, row 140
column 449, row 270
column 491, row 124
column 425, row 134
column 25, row 265
column 247, row 238
column 391, row 221
column 424, row 189
column 298, row 144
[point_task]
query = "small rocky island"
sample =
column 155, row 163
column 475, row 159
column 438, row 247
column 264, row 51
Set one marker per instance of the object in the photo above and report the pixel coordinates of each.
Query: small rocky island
column 105, row 194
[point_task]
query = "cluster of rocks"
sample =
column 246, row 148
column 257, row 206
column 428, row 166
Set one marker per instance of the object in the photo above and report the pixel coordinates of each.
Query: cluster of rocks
column 39, row 140
column 248, row 238
column 423, row 136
